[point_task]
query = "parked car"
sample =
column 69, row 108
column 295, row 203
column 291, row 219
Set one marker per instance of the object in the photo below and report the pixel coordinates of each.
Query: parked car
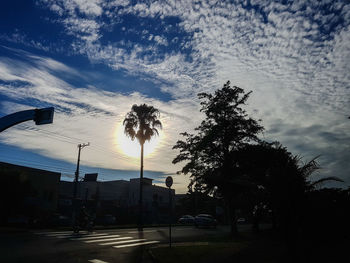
column 18, row 220
column 241, row 220
column 205, row 220
column 59, row 220
column 186, row 220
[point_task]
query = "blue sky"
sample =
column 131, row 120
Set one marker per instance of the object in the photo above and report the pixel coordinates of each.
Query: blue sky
column 92, row 60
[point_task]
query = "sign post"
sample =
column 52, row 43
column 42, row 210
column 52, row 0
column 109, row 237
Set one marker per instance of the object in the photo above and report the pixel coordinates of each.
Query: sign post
column 169, row 183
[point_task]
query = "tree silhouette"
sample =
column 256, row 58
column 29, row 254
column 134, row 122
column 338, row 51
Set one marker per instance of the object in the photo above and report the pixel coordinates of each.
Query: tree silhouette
column 142, row 123
column 210, row 152
column 283, row 178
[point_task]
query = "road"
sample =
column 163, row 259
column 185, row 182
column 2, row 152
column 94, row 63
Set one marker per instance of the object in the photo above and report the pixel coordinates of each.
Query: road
column 112, row 245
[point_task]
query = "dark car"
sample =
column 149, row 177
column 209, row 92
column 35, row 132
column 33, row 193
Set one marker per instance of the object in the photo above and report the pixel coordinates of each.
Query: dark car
column 59, row 220
column 18, row 220
column 241, row 220
column 205, row 220
column 186, row 220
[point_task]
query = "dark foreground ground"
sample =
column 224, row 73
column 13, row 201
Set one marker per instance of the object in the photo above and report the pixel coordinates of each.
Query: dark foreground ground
column 248, row 247
column 189, row 245
column 101, row 246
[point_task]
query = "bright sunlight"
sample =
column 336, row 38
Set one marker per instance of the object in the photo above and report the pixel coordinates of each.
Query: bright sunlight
column 132, row 148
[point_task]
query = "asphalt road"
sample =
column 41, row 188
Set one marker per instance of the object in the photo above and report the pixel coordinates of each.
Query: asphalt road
column 112, row 245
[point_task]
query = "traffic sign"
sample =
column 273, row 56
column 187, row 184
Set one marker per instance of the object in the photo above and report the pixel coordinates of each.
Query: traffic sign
column 169, row 181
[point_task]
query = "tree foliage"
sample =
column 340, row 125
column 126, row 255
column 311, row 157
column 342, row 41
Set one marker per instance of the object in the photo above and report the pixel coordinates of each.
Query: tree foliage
column 142, row 123
column 283, row 181
column 210, row 152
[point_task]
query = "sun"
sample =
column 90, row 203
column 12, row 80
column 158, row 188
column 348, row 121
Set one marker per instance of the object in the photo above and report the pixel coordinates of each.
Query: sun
column 132, row 148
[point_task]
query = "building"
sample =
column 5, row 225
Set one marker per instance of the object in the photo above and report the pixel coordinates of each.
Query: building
column 27, row 191
column 119, row 198
column 37, row 194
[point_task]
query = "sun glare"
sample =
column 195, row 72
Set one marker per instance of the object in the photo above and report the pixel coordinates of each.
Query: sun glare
column 132, row 148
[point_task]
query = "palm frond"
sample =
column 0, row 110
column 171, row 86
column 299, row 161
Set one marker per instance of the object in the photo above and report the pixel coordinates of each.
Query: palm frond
column 142, row 122
column 326, row 179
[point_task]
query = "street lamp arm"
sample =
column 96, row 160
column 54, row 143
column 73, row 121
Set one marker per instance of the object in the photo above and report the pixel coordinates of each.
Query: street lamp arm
column 40, row 116
column 16, row 118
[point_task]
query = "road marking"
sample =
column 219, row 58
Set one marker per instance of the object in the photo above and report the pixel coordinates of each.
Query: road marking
column 97, row 261
column 145, row 231
column 59, row 235
column 58, row 232
column 87, row 237
column 107, row 239
column 121, row 242
column 77, row 236
column 137, row 244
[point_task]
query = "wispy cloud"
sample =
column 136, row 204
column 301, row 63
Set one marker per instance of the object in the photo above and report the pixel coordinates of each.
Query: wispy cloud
column 299, row 46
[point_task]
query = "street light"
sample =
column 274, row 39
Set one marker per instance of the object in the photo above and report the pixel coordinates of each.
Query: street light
column 39, row 116
column 169, row 183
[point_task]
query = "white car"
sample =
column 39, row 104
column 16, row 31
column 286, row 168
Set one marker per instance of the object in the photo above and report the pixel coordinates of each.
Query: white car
column 186, row 220
column 205, row 220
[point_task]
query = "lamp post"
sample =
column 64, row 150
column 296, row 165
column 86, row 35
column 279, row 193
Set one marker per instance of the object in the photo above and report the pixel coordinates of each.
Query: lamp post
column 169, row 183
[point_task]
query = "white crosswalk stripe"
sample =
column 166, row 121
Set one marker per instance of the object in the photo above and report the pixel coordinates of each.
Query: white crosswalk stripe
column 144, row 231
column 92, row 236
column 60, row 235
column 103, row 239
column 78, row 236
column 59, row 232
column 137, row 244
column 107, row 239
column 97, row 261
column 121, row 242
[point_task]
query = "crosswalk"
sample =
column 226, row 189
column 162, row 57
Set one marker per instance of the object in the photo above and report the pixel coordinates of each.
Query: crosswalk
column 101, row 239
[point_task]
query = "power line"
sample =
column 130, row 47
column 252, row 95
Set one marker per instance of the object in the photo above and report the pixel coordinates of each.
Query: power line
column 72, row 140
column 66, row 139
column 25, row 162
column 49, row 167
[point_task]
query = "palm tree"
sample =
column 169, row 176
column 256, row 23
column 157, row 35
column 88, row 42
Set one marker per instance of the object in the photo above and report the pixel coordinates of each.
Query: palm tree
column 306, row 170
column 142, row 123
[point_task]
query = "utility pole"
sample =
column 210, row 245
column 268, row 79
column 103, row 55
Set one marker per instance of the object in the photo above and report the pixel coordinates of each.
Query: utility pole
column 75, row 203
column 80, row 146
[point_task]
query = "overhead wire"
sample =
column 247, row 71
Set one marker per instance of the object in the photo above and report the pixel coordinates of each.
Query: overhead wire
column 63, row 138
column 38, row 165
column 73, row 140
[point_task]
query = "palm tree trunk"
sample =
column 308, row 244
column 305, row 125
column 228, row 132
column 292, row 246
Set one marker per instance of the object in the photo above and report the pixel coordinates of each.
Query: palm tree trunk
column 141, row 184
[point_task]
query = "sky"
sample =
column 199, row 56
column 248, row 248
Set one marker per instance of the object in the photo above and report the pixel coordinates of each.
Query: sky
column 92, row 60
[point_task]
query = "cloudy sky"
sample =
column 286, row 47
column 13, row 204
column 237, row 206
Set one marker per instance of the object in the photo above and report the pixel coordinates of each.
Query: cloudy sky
column 93, row 59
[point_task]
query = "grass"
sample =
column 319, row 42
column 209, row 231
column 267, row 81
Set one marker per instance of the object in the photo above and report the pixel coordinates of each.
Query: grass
column 244, row 248
column 265, row 247
column 196, row 252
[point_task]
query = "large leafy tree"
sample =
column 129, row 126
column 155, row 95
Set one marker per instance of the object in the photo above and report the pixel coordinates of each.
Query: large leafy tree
column 211, row 151
column 142, row 123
